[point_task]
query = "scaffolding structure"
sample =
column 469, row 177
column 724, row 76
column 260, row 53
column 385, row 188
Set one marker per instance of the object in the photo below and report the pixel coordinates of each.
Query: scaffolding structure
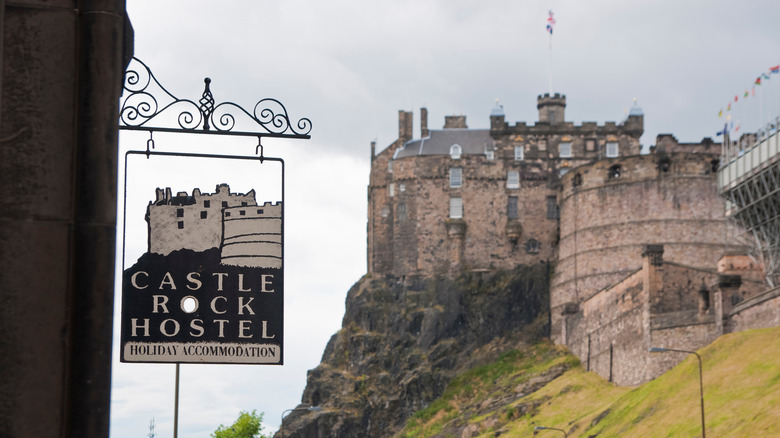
column 749, row 180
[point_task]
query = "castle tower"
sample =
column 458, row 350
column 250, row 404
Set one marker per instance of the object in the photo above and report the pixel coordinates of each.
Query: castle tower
column 611, row 208
column 551, row 108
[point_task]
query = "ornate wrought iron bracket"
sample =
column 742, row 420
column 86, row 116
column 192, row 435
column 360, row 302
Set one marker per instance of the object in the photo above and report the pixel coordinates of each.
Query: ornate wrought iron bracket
column 147, row 106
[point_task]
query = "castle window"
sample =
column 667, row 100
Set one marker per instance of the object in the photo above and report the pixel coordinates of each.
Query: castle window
column 704, row 300
column 243, row 204
column 612, row 149
column 665, row 164
column 179, row 212
column 513, row 179
column 456, row 177
column 224, row 204
column 490, row 154
column 181, row 224
column 203, row 214
column 227, row 214
column 385, row 211
column 511, row 207
column 715, row 165
column 456, row 151
column 391, row 190
column 402, row 187
column 552, row 208
column 456, row 208
column 259, row 211
column 533, row 246
column 614, row 172
column 242, row 212
column 206, row 203
column 577, row 180
column 402, row 212
column 390, row 166
column 564, row 150
column 519, row 152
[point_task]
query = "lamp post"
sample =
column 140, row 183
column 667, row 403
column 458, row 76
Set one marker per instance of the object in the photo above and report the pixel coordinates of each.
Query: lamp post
column 538, row 428
column 305, row 408
column 701, row 382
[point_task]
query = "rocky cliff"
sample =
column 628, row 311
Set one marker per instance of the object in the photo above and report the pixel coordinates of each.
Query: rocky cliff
column 403, row 339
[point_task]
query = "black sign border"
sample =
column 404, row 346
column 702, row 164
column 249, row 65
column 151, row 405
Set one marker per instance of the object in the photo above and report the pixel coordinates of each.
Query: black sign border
column 260, row 159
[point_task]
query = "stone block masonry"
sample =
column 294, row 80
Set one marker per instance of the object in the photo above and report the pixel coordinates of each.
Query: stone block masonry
column 635, row 240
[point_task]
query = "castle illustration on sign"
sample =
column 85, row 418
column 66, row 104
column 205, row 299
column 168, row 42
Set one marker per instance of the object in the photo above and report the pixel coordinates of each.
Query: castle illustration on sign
column 640, row 245
column 247, row 234
column 210, row 288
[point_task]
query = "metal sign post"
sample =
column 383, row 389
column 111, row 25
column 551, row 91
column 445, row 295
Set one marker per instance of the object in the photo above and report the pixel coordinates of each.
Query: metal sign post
column 210, row 286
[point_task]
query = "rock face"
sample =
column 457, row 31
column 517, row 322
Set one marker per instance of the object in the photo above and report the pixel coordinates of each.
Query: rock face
column 403, row 339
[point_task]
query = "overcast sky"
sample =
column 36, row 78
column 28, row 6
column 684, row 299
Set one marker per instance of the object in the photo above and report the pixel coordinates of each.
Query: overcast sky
column 350, row 65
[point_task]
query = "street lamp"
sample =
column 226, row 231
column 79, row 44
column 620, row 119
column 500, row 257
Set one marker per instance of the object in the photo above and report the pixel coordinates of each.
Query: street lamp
column 701, row 383
column 303, row 408
column 538, row 428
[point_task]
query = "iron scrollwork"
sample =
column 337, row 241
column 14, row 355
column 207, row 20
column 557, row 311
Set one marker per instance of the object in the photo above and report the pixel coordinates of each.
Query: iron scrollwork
column 147, row 105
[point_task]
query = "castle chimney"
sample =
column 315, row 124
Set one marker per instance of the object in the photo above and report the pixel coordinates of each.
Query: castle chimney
column 373, row 150
column 455, row 122
column 168, row 195
column 424, row 122
column 497, row 117
column 158, row 195
column 551, row 108
column 404, row 125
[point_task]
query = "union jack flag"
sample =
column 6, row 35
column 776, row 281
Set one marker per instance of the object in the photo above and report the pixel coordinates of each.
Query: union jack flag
column 550, row 23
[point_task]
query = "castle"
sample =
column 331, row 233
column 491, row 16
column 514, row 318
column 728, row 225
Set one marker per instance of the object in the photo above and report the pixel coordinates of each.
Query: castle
column 638, row 244
column 245, row 233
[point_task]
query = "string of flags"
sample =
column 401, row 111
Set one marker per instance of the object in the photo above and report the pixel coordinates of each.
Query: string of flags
column 762, row 77
column 728, row 126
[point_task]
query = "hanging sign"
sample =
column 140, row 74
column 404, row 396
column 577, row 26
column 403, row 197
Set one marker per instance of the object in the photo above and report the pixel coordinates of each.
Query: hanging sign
column 210, row 286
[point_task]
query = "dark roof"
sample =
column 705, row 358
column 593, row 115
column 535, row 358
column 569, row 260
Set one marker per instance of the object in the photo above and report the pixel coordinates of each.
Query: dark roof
column 471, row 141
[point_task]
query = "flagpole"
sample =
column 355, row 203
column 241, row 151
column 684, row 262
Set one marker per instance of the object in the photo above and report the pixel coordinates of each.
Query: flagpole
column 550, row 24
column 550, row 75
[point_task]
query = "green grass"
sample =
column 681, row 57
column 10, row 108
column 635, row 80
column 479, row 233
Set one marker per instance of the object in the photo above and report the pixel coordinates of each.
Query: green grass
column 741, row 396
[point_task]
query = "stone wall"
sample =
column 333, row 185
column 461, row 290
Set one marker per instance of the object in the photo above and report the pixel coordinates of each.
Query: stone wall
column 61, row 75
column 760, row 311
column 606, row 219
column 409, row 228
column 659, row 305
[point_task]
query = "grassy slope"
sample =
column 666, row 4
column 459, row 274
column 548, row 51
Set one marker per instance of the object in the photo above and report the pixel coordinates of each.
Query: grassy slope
column 741, row 396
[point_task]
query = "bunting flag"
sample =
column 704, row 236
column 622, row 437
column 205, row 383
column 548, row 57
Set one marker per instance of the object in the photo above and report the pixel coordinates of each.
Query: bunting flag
column 752, row 91
column 550, row 23
column 724, row 131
